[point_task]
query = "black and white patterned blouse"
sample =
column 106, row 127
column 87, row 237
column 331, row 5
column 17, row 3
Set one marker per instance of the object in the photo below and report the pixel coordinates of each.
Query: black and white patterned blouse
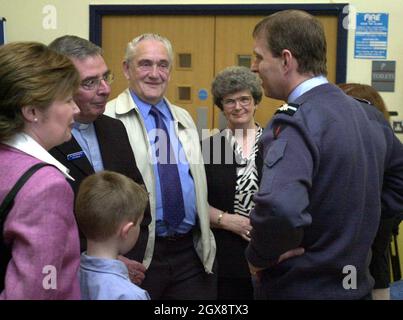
column 247, row 175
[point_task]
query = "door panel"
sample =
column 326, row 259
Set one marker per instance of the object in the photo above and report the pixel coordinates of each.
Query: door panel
column 230, row 44
column 330, row 27
column 210, row 43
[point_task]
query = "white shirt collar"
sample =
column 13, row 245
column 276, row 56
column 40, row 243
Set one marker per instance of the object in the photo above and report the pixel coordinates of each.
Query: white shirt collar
column 81, row 126
column 27, row 144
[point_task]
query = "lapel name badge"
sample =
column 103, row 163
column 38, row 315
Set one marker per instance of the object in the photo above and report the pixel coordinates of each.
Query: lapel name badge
column 75, row 155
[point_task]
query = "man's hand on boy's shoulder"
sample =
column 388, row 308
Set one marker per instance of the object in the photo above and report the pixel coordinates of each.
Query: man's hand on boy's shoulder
column 136, row 270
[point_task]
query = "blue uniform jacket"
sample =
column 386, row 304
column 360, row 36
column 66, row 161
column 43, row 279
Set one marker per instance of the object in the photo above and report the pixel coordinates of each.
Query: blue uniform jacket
column 328, row 170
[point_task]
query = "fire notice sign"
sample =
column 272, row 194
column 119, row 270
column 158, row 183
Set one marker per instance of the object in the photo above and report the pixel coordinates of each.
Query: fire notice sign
column 371, row 36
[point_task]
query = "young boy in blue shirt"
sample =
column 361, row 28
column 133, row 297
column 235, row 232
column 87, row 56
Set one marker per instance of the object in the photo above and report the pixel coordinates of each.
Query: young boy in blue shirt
column 109, row 210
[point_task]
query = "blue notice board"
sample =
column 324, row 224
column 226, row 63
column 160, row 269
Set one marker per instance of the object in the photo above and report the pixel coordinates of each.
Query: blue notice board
column 2, row 30
column 371, row 36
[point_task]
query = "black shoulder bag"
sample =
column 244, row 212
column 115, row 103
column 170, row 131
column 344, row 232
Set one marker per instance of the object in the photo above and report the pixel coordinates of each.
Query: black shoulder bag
column 5, row 207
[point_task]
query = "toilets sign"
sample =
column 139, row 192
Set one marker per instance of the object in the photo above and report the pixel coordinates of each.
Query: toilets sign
column 371, row 36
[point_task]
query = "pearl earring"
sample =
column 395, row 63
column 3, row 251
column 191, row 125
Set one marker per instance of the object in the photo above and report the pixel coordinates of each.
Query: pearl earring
column 35, row 119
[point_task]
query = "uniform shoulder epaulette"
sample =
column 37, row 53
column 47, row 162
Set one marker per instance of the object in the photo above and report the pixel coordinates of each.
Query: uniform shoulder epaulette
column 288, row 108
column 362, row 100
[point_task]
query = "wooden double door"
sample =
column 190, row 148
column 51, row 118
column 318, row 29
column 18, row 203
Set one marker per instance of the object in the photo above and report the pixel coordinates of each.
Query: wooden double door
column 203, row 46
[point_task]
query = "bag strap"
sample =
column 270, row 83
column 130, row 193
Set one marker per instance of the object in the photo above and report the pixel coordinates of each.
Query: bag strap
column 9, row 199
column 5, row 208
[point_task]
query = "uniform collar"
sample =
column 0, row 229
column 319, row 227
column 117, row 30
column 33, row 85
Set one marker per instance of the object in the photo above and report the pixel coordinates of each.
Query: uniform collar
column 306, row 86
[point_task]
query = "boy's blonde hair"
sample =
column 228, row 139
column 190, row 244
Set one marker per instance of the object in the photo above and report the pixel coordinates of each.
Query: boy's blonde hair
column 105, row 200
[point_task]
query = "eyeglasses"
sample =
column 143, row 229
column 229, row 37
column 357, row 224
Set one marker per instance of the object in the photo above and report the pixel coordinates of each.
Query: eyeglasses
column 94, row 83
column 243, row 101
column 148, row 65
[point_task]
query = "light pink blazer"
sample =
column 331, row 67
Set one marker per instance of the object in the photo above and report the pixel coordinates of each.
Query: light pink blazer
column 42, row 231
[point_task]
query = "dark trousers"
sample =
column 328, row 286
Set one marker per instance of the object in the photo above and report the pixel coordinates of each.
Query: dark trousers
column 235, row 289
column 380, row 266
column 176, row 272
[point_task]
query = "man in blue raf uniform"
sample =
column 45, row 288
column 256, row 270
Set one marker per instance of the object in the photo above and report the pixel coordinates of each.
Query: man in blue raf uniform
column 330, row 164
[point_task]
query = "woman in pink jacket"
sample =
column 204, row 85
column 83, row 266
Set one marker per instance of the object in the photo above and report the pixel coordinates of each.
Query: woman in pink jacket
column 36, row 114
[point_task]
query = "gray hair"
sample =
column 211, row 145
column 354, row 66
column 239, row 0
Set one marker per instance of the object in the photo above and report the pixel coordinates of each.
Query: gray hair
column 234, row 79
column 132, row 45
column 75, row 47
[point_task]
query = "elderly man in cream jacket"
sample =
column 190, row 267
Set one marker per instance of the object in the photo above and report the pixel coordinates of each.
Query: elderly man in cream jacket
column 179, row 257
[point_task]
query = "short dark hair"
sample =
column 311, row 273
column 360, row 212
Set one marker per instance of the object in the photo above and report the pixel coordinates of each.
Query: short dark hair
column 105, row 200
column 300, row 33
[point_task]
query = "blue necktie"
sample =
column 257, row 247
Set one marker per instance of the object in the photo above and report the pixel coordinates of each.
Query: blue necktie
column 171, row 190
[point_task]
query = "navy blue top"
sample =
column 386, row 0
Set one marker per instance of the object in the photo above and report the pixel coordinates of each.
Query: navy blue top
column 328, row 170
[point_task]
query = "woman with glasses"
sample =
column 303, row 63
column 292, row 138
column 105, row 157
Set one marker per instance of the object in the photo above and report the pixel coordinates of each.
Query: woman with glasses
column 233, row 174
